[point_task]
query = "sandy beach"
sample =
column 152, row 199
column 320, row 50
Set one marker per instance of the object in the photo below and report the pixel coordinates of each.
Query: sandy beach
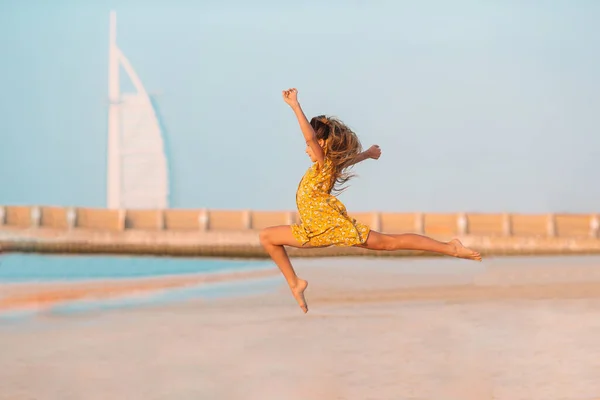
column 507, row 328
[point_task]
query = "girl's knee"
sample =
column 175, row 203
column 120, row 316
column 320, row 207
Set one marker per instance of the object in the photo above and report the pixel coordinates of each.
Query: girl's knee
column 265, row 236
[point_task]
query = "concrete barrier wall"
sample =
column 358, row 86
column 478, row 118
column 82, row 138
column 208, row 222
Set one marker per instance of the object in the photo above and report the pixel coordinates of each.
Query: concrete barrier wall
column 183, row 220
column 367, row 218
column 488, row 224
column 100, row 219
column 264, row 219
column 149, row 220
column 444, row 225
column 530, row 225
column 441, row 224
column 573, row 225
column 224, row 220
column 18, row 216
column 400, row 223
column 54, row 217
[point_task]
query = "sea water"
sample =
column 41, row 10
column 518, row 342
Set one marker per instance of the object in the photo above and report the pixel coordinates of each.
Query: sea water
column 38, row 268
column 21, row 268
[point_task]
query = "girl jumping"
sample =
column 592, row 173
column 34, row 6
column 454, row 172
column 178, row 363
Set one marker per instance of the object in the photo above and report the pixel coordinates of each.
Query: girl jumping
column 333, row 148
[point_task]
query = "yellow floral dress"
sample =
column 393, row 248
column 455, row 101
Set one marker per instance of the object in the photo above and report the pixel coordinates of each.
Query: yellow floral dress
column 324, row 220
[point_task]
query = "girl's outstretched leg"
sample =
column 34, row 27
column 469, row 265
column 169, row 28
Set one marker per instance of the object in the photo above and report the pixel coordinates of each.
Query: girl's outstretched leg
column 412, row 241
column 273, row 239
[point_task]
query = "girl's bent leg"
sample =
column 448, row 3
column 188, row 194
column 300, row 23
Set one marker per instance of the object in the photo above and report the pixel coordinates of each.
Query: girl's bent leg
column 273, row 239
column 411, row 241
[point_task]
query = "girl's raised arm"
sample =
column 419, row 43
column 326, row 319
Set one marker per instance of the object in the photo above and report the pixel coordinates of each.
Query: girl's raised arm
column 290, row 96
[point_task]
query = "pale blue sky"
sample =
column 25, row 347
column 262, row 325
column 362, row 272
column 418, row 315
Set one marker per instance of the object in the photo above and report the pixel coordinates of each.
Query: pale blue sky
column 478, row 105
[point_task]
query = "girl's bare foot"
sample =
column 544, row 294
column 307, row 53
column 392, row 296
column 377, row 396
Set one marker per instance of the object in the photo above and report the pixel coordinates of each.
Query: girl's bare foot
column 298, row 292
column 461, row 251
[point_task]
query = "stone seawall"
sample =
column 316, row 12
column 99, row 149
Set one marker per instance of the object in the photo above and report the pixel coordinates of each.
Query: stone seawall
column 245, row 243
column 234, row 233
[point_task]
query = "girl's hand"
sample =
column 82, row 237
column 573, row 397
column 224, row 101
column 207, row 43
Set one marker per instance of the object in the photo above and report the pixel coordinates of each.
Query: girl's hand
column 374, row 152
column 290, row 96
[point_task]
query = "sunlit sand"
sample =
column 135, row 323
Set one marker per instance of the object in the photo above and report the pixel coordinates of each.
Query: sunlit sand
column 387, row 329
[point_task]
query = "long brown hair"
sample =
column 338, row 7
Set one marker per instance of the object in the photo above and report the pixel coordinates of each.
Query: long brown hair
column 341, row 147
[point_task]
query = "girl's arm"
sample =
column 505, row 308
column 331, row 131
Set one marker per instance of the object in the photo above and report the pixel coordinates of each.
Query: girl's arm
column 373, row 152
column 291, row 98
